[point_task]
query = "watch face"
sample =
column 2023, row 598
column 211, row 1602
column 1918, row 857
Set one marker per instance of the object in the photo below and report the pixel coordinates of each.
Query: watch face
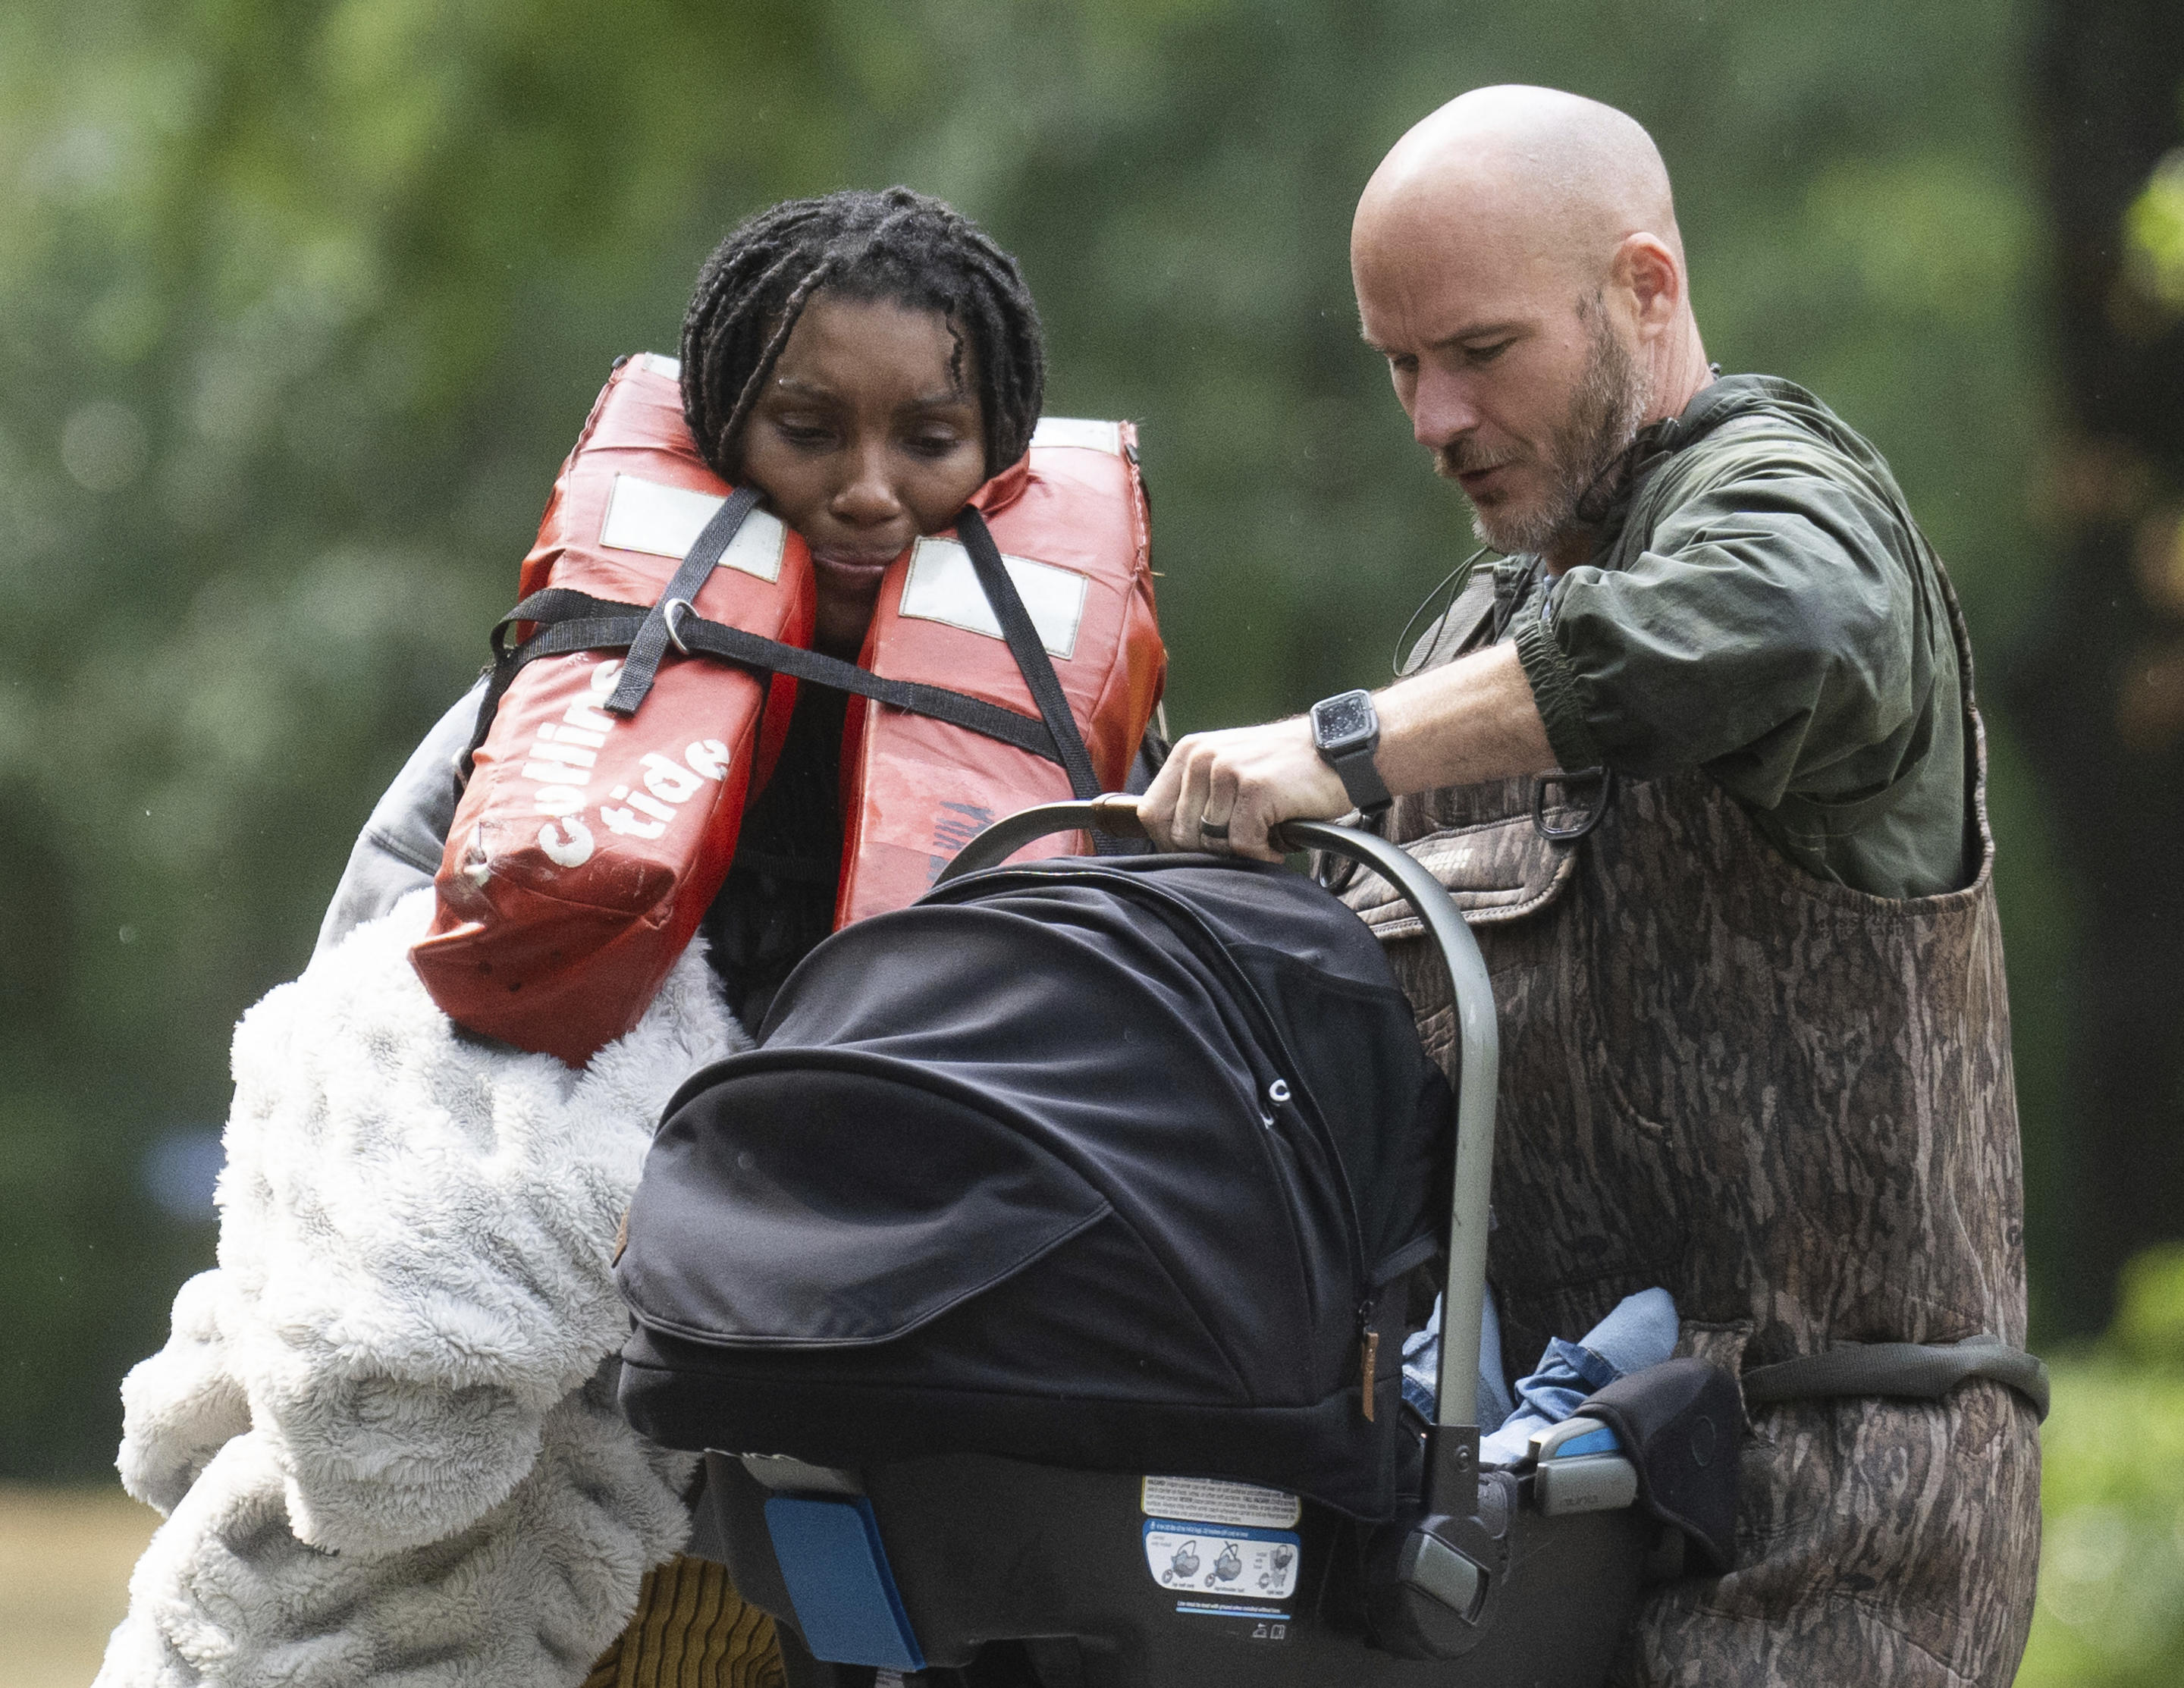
column 1343, row 719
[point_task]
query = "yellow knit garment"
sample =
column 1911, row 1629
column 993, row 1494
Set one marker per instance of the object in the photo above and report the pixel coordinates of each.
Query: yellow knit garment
column 692, row 1629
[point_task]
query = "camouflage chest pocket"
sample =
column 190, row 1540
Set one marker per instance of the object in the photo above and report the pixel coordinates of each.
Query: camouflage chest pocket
column 1502, row 872
column 1497, row 871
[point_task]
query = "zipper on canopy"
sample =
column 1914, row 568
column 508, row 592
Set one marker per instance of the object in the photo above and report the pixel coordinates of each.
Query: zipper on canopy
column 1368, row 1355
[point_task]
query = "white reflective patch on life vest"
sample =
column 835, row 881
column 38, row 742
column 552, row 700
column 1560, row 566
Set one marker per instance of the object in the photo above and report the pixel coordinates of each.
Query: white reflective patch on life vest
column 942, row 586
column 1079, row 430
column 665, row 521
column 670, row 367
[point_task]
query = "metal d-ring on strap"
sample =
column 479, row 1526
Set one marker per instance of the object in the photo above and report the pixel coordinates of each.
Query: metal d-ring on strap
column 1604, row 778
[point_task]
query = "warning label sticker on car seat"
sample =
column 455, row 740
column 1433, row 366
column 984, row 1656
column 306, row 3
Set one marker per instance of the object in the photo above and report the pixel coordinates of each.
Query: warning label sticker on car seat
column 1237, row 1562
column 1245, row 1505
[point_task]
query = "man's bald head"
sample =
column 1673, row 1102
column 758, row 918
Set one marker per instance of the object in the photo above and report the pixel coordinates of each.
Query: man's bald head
column 1533, row 231
column 1572, row 174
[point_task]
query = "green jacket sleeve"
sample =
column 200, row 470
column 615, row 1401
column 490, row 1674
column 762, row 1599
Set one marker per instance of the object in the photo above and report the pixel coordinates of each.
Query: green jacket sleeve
column 1771, row 631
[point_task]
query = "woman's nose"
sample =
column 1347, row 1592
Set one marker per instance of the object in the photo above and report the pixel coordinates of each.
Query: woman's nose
column 867, row 498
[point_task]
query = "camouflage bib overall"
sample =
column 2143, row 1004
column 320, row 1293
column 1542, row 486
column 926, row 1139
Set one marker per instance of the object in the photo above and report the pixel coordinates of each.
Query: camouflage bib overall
column 1790, row 1104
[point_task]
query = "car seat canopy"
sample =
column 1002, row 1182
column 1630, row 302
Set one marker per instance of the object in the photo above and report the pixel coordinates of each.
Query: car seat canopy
column 1061, row 1143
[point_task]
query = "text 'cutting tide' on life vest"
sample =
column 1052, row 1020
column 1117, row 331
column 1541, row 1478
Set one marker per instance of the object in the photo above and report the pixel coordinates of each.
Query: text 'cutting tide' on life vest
column 605, row 793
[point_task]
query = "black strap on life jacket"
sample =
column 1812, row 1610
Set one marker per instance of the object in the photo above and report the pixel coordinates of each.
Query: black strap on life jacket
column 567, row 620
column 1029, row 650
column 651, row 645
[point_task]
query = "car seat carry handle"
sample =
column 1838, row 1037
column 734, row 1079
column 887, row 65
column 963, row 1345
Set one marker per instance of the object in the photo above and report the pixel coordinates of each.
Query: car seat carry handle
column 1463, row 1300
column 1478, row 1078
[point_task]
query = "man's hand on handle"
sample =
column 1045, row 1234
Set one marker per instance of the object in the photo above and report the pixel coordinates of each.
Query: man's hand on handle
column 1245, row 779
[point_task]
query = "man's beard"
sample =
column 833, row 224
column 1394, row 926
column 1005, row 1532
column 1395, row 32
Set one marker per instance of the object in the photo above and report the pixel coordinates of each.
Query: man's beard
column 1605, row 412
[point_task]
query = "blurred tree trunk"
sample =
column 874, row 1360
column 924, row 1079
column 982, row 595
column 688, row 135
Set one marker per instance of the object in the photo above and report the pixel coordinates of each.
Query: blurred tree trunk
column 2099, row 696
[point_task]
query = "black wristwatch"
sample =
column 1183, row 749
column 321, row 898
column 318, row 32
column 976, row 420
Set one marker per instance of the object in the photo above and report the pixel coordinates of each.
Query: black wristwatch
column 1345, row 730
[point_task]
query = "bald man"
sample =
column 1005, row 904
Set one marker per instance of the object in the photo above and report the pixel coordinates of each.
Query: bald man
column 1700, row 761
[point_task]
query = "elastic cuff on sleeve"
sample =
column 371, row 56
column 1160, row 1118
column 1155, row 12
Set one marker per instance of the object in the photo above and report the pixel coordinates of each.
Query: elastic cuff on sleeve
column 1554, row 689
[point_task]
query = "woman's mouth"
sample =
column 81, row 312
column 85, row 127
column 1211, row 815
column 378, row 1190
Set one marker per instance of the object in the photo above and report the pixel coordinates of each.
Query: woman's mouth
column 852, row 565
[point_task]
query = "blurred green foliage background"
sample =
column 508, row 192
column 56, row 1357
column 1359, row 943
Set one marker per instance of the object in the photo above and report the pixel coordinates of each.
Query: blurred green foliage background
column 301, row 303
column 2111, row 1608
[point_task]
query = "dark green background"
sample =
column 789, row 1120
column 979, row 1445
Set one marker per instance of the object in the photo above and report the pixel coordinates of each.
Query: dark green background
column 301, row 304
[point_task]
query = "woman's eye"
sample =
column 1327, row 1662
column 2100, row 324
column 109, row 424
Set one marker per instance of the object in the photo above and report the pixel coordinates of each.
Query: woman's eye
column 935, row 445
column 809, row 434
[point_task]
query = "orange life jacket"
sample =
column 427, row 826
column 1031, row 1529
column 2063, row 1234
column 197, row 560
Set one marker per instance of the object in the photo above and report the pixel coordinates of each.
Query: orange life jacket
column 622, row 737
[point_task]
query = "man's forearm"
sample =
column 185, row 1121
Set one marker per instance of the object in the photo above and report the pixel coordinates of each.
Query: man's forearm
column 1473, row 719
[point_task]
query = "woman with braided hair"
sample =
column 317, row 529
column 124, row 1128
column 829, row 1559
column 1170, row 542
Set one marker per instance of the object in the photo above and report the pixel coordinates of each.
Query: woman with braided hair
column 415, row 1473
column 869, row 360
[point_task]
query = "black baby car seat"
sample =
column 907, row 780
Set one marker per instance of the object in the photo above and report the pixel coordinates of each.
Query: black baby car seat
column 1038, row 1291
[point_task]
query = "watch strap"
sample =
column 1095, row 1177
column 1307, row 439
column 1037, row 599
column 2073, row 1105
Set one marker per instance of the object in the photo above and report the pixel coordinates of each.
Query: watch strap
column 1361, row 780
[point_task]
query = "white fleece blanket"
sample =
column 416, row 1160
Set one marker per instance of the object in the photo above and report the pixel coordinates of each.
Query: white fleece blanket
column 381, row 1427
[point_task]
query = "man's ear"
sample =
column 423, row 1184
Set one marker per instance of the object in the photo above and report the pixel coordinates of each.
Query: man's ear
column 1644, row 264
